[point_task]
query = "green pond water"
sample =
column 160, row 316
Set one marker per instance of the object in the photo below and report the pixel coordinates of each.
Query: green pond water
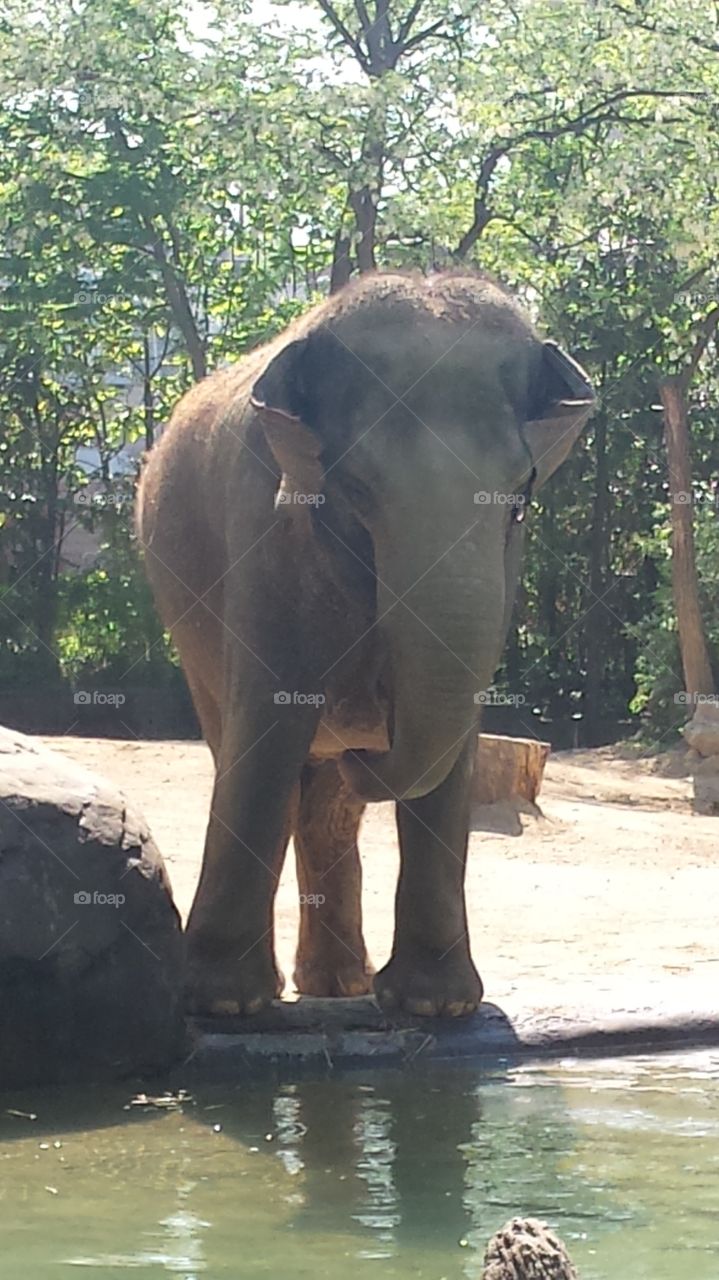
column 395, row 1174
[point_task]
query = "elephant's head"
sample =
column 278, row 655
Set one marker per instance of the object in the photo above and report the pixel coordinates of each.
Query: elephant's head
column 431, row 409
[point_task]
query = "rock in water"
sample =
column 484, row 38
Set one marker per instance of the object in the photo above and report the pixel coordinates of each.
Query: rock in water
column 90, row 939
column 527, row 1250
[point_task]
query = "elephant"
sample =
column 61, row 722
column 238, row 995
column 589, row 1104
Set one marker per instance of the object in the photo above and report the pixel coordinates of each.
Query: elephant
column 332, row 530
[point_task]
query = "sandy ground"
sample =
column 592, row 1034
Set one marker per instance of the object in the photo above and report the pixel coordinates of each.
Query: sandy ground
column 611, row 901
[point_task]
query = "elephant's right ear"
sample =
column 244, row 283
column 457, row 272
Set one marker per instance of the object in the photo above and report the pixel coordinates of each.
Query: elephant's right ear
column 279, row 397
column 563, row 400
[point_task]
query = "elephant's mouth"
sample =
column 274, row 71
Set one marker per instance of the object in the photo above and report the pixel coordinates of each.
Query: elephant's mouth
column 339, row 733
column 357, row 715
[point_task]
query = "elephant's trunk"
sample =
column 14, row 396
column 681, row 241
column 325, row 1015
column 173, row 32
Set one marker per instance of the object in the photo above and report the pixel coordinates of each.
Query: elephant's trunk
column 441, row 612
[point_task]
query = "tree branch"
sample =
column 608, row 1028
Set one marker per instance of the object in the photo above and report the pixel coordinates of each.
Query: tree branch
column 482, row 214
column 706, row 330
column 710, row 46
column 339, row 26
column 363, row 14
column 427, row 34
column 600, row 113
column 175, row 289
column 406, row 26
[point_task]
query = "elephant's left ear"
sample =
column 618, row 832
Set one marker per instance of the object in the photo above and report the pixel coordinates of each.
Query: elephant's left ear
column 278, row 396
column 563, row 400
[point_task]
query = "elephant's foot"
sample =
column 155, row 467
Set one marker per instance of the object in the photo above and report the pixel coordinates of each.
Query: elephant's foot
column 417, row 980
column 226, row 983
column 328, row 976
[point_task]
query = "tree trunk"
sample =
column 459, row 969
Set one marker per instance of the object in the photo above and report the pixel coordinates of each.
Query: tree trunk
column 341, row 262
column 594, row 626
column 363, row 200
column 148, row 405
column 364, row 207
column 179, row 306
column 482, row 217
column 378, row 56
column 45, row 573
column 692, row 640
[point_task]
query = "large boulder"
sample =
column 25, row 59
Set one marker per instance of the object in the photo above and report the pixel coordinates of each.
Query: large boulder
column 90, row 939
column 702, row 737
column 706, row 785
column 702, row 731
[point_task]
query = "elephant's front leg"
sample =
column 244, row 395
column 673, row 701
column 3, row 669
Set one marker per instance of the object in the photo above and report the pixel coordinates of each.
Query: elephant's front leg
column 231, row 961
column 430, row 971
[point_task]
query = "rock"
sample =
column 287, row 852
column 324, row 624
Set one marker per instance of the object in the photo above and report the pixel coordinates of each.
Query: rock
column 90, row 939
column 508, row 769
column 702, row 731
column 706, row 793
column 527, row 1250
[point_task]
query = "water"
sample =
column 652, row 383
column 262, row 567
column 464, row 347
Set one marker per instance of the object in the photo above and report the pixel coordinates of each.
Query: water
column 395, row 1175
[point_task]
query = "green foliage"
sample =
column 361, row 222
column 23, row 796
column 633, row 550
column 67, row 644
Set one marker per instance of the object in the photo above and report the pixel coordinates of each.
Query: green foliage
column 176, row 183
column 107, row 628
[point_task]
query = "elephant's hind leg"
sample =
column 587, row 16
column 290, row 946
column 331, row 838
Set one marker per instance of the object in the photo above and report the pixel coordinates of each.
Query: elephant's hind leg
column 205, row 700
column 331, row 955
column 193, row 616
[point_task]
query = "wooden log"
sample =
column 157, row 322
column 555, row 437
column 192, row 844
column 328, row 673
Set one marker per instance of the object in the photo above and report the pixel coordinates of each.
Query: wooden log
column 508, row 769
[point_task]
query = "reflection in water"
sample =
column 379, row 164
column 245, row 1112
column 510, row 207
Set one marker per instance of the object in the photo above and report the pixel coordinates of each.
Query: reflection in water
column 375, row 1158
column 395, row 1175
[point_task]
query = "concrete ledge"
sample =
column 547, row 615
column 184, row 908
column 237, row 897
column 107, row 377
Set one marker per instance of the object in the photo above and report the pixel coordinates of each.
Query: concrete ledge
column 308, row 1034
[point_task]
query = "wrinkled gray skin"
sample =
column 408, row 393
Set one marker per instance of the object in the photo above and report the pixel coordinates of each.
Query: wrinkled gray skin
column 333, row 517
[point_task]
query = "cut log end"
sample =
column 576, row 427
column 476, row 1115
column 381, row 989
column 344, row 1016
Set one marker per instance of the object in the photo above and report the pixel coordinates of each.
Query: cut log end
column 508, row 769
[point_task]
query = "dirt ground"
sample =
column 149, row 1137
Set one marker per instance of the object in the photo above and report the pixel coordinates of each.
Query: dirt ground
column 610, row 901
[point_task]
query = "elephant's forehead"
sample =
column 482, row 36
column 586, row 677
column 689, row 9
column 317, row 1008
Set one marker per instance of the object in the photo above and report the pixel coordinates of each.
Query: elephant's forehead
column 405, row 349
column 438, row 372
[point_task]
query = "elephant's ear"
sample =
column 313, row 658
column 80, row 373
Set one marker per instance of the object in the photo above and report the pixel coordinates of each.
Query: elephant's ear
column 563, row 400
column 279, row 397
